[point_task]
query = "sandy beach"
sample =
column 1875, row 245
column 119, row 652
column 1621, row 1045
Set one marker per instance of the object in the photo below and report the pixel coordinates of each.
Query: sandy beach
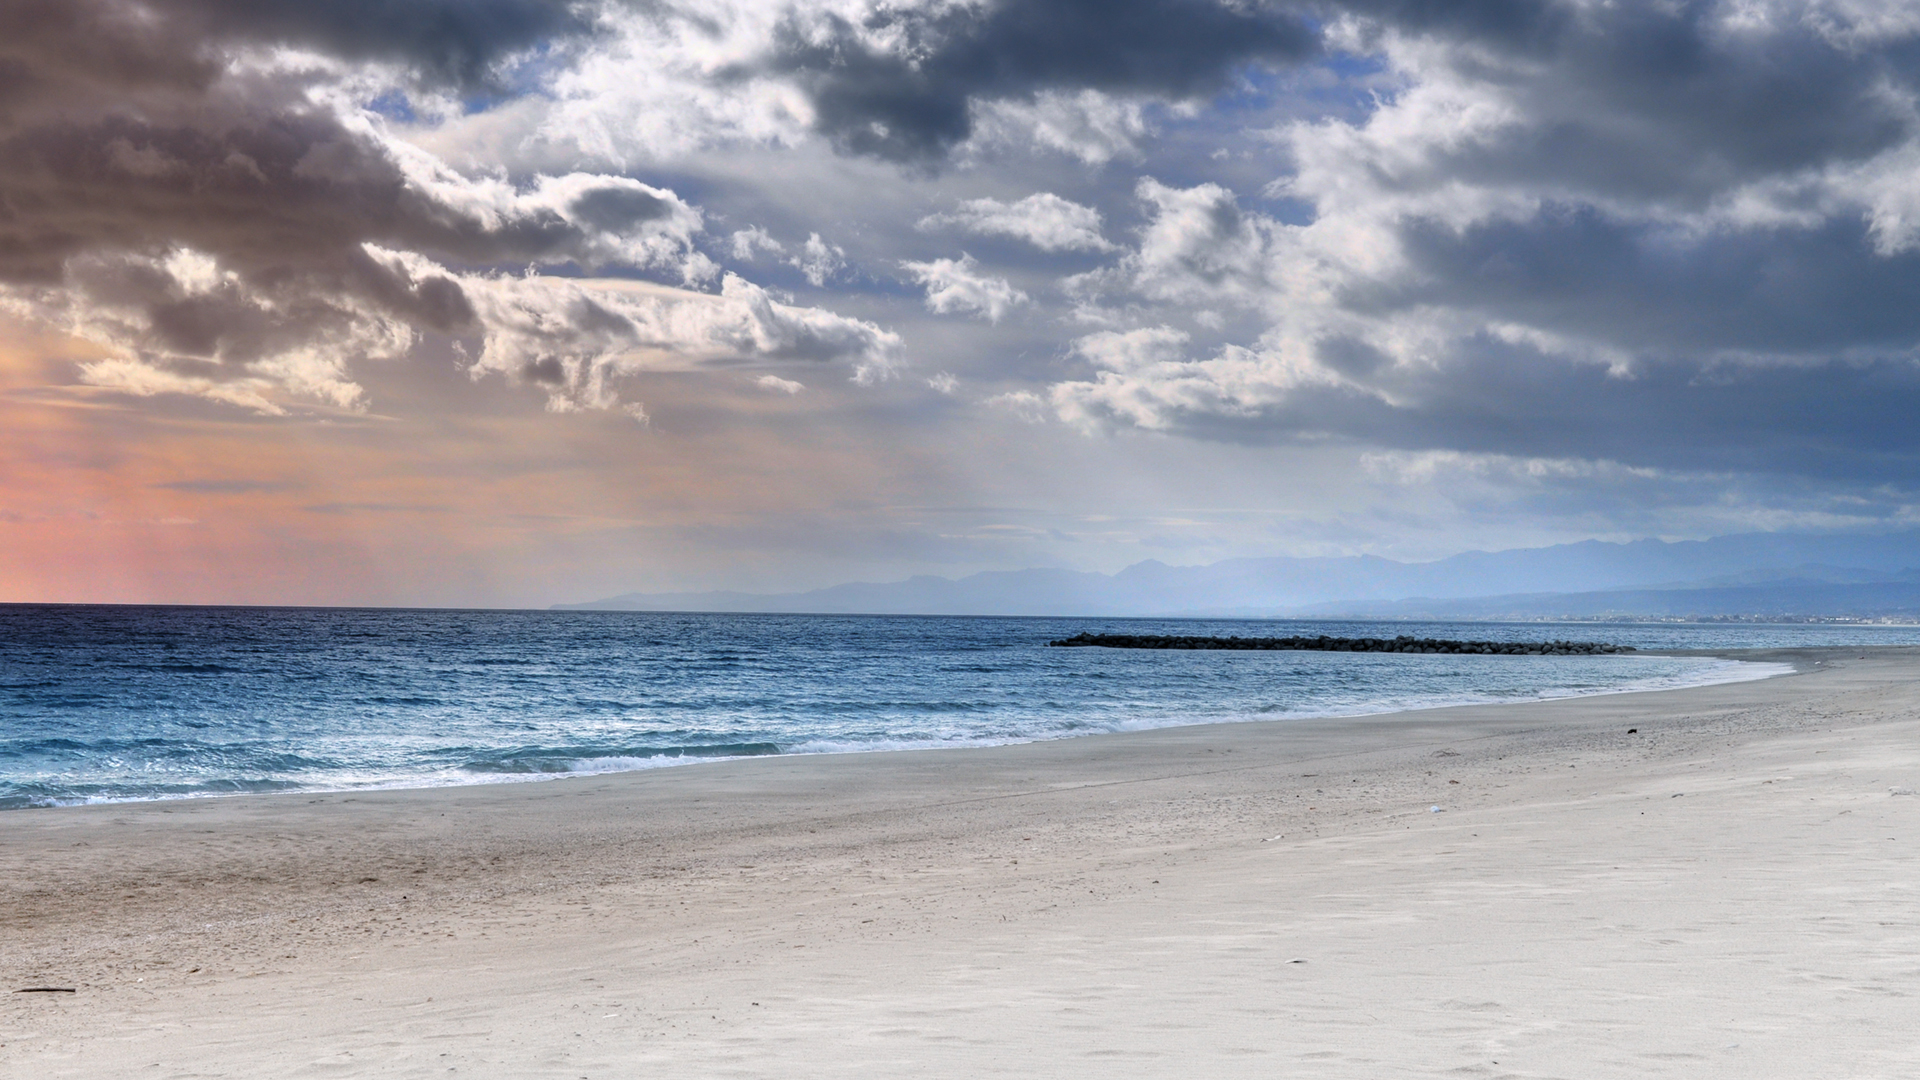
column 1731, row 890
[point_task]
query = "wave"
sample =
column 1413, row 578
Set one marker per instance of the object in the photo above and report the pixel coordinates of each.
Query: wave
column 574, row 759
column 32, row 796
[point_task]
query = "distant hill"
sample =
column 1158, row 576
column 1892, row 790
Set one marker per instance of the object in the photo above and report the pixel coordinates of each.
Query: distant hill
column 1749, row 574
column 1789, row 602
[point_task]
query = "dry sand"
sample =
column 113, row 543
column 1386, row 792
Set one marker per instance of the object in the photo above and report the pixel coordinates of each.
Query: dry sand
column 1732, row 891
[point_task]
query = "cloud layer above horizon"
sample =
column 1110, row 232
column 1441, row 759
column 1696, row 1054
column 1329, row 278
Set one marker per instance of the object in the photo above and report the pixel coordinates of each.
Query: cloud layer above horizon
column 1627, row 267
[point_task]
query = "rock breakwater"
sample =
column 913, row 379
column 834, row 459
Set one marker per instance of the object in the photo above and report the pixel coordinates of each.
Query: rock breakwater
column 1323, row 643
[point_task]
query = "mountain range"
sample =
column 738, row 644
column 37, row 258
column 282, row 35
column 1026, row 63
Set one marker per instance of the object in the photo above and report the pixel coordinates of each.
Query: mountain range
column 1760, row 575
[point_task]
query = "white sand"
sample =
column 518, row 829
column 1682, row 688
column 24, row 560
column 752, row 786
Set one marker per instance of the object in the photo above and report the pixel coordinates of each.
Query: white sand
column 1730, row 892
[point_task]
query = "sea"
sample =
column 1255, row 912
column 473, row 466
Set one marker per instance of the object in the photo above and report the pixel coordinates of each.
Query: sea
column 113, row 703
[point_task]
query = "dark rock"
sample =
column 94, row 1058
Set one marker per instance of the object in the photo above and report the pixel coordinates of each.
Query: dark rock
column 1323, row 643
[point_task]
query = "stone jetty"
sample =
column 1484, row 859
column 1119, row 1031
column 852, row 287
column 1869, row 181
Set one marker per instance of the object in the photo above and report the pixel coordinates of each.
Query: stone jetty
column 1323, row 643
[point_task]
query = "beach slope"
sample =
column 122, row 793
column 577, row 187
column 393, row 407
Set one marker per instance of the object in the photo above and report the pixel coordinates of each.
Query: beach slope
column 1731, row 889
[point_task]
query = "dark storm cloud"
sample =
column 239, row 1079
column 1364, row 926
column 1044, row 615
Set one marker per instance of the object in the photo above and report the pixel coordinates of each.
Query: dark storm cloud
column 288, row 200
column 253, row 191
column 49, row 48
column 616, row 209
column 913, row 102
column 1647, row 101
column 72, row 54
column 1514, row 24
column 1780, row 291
column 1831, row 419
column 456, row 41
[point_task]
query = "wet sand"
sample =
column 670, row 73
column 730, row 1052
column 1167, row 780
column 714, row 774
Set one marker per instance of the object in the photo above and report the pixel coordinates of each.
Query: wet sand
column 1733, row 890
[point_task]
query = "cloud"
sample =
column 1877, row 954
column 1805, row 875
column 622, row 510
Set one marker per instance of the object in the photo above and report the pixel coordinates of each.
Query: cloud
column 459, row 41
column 819, row 261
column 954, row 285
column 778, row 385
column 221, row 217
column 1587, row 496
column 1841, row 421
column 70, row 57
column 1022, row 404
column 1044, row 220
column 1681, row 238
column 1648, row 147
column 1654, row 106
column 298, row 187
column 225, row 486
column 240, row 253
column 576, row 339
column 1145, row 378
column 1092, row 126
column 746, row 244
column 1200, row 246
column 1667, row 237
column 900, row 83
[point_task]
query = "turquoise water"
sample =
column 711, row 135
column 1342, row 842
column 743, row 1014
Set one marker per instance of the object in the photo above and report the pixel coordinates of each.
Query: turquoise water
column 109, row 703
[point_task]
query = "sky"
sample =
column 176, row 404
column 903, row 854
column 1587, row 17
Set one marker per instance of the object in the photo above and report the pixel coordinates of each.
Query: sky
column 517, row 302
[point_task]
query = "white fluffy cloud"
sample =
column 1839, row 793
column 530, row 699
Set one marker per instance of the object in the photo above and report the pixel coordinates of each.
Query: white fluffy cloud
column 1200, row 247
column 1146, row 378
column 1044, row 220
column 1089, row 125
column 819, row 261
column 778, row 385
column 957, row 285
column 576, row 339
column 746, row 244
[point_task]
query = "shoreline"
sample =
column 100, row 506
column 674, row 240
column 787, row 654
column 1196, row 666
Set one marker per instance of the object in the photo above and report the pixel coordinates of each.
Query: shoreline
column 1128, row 903
column 672, row 761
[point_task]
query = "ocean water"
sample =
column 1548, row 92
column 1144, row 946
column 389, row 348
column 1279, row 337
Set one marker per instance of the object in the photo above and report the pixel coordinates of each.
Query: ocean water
column 115, row 703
